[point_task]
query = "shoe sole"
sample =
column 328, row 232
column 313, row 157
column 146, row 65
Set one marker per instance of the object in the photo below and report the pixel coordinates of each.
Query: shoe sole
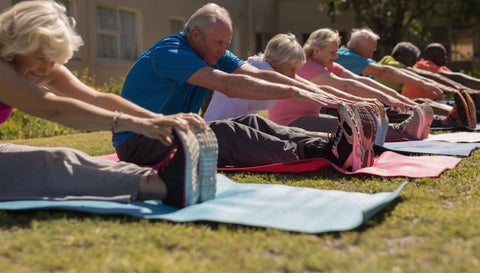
column 428, row 119
column 463, row 114
column 347, row 115
column 207, row 163
column 476, row 101
column 367, row 134
column 191, row 148
column 472, row 111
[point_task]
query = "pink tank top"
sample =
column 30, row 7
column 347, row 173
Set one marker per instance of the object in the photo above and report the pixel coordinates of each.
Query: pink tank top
column 5, row 111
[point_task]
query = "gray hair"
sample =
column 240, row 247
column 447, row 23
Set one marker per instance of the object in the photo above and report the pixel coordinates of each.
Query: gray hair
column 405, row 49
column 284, row 48
column 320, row 38
column 205, row 18
column 361, row 34
column 32, row 25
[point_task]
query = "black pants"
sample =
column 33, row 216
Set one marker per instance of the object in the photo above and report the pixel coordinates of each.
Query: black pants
column 244, row 141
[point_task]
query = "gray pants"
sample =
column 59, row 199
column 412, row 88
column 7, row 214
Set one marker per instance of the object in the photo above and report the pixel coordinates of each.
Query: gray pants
column 62, row 173
column 244, row 141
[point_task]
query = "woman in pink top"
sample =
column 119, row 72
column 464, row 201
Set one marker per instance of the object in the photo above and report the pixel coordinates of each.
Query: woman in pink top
column 321, row 51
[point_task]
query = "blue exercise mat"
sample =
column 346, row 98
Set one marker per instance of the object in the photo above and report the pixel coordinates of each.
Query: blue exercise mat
column 283, row 207
column 429, row 147
column 477, row 128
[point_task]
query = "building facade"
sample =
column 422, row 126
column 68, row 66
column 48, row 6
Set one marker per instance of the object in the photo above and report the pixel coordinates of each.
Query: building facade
column 116, row 32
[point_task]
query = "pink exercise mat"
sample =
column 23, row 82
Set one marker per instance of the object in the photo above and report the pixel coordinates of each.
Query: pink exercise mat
column 388, row 164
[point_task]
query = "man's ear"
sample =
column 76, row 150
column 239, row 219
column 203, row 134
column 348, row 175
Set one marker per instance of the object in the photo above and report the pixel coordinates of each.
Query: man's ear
column 196, row 34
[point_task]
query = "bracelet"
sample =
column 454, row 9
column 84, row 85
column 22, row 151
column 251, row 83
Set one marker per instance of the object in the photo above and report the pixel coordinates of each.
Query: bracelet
column 116, row 117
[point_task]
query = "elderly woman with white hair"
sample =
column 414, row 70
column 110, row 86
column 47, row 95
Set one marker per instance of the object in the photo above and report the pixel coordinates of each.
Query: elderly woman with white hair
column 36, row 39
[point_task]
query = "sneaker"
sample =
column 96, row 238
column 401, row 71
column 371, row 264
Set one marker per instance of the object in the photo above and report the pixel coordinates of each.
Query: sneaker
column 460, row 115
column 207, row 163
column 366, row 131
column 180, row 172
column 345, row 145
column 476, row 101
column 381, row 126
column 428, row 119
column 472, row 111
column 411, row 128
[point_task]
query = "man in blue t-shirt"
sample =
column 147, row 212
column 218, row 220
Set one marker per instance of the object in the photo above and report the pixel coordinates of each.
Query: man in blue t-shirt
column 174, row 75
column 357, row 57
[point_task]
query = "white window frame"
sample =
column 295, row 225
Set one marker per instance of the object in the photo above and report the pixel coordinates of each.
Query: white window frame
column 117, row 33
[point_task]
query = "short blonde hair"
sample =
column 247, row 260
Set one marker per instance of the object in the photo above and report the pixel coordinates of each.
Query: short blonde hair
column 32, row 25
column 320, row 38
column 361, row 34
column 284, row 48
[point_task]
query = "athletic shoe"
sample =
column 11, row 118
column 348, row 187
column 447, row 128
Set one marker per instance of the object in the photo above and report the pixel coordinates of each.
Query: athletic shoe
column 381, row 126
column 345, row 145
column 476, row 100
column 472, row 111
column 180, row 172
column 413, row 127
column 207, row 163
column 460, row 115
column 428, row 119
column 366, row 131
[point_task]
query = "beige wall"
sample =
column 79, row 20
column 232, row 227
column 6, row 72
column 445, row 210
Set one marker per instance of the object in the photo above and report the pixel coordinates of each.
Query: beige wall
column 249, row 17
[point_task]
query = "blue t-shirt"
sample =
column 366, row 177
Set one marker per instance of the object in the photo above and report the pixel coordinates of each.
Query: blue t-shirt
column 157, row 79
column 352, row 61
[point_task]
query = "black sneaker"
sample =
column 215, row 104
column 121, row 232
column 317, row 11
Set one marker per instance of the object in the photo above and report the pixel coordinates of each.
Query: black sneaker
column 345, row 145
column 207, row 162
column 367, row 132
column 180, row 172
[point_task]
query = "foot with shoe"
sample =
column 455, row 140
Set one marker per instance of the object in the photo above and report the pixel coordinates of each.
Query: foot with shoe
column 464, row 113
column 416, row 127
column 189, row 172
column 351, row 146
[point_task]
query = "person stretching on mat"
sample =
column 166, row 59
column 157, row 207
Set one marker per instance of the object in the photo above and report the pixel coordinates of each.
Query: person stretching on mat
column 36, row 39
column 175, row 74
column 320, row 50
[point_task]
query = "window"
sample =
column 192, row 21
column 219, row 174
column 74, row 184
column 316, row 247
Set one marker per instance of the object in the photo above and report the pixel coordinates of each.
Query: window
column 118, row 34
column 261, row 40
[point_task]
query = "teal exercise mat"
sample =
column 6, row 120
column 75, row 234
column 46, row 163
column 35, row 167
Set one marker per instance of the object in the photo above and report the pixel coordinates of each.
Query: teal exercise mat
column 289, row 208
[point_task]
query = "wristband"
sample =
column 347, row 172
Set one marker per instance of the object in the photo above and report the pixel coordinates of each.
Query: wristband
column 116, row 117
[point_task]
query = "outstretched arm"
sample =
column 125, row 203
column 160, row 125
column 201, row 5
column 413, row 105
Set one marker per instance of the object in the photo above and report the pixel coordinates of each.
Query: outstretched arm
column 393, row 74
column 248, row 82
column 77, row 113
column 464, row 79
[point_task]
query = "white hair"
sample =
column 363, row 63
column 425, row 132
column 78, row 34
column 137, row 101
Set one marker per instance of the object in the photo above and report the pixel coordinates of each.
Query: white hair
column 361, row 34
column 205, row 18
column 284, row 48
column 32, row 25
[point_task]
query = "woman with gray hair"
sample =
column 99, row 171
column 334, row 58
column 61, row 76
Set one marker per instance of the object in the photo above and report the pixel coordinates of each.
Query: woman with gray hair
column 321, row 51
column 36, row 39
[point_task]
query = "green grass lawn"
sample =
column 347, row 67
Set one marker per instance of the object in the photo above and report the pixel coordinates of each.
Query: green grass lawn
column 434, row 226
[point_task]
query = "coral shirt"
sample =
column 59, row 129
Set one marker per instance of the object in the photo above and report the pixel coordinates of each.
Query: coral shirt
column 413, row 91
